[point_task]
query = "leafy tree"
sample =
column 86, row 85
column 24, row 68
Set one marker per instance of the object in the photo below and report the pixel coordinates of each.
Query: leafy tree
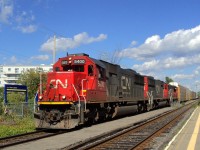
column 198, row 94
column 15, row 97
column 168, row 80
column 31, row 79
column 113, row 57
column 1, row 94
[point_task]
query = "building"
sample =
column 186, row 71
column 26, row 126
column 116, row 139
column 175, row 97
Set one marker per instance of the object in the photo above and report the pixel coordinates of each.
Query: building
column 10, row 74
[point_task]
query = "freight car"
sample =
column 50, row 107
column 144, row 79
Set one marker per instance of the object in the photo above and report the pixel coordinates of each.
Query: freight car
column 184, row 93
column 82, row 89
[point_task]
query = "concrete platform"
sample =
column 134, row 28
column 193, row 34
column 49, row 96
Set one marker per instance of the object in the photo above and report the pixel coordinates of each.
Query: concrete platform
column 188, row 137
column 67, row 139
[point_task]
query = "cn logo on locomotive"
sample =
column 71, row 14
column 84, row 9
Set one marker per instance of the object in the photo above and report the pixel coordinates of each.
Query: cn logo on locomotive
column 125, row 83
column 58, row 82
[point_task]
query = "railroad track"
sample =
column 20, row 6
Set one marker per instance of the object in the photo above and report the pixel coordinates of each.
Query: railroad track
column 138, row 137
column 27, row 137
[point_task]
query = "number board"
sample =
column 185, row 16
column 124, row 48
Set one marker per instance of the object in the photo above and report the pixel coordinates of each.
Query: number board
column 79, row 61
column 64, row 62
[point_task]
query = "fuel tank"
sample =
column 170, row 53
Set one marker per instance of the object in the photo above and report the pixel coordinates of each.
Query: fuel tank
column 124, row 110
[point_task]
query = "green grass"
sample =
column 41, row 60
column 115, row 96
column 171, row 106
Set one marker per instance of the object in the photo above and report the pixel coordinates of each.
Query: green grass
column 10, row 126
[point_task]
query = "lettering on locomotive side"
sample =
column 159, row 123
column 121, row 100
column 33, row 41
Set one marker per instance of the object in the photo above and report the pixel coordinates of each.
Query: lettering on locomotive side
column 57, row 82
column 125, row 83
column 157, row 89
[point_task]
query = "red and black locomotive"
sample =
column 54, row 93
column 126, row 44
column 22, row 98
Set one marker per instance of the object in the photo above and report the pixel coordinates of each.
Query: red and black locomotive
column 82, row 89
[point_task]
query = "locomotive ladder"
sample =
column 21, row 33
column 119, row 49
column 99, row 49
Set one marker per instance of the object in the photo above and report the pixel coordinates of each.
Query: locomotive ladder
column 171, row 96
column 79, row 99
column 150, row 97
column 82, row 92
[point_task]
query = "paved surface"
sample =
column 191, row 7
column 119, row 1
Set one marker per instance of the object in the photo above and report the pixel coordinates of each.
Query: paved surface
column 189, row 136
column 64, row 140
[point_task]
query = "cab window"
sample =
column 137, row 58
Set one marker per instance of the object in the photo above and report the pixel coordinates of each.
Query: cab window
column 78, row 68
column 75, row 68
column 57, row 69
column 90, row 70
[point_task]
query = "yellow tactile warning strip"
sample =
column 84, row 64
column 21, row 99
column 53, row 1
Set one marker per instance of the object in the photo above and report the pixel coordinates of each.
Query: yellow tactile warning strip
column 193, row 139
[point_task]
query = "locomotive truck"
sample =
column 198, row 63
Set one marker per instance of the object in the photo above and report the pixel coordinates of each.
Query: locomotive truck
column 81, row 89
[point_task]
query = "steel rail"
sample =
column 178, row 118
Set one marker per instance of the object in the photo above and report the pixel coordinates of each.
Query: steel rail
column 27, row 137
column 135, row 136
column 159, row 131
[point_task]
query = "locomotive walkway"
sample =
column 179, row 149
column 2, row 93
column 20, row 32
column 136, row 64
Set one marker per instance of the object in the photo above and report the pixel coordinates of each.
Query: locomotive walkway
column 189, row 136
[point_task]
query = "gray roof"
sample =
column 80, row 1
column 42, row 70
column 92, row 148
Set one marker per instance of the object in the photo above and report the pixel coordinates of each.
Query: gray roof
column 98, row 63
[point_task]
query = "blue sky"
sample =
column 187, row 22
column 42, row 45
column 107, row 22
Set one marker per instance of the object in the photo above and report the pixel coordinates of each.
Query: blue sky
column 153, row 37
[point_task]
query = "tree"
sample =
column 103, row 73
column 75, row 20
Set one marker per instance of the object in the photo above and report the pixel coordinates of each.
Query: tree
column 168, row 80
column 31, row 79
column 112, row 57
column 15, row 97
column 1, row 94
column 198, row 94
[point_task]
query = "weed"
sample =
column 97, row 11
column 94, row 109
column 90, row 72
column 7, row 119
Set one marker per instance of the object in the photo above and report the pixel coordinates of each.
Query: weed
column 15, row 125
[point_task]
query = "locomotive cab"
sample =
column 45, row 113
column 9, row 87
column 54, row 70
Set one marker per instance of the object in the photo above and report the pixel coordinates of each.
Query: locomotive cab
column 75, row 81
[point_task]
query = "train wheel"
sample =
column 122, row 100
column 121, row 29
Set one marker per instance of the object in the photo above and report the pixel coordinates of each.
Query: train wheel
column 102, row 114
column 92, row 116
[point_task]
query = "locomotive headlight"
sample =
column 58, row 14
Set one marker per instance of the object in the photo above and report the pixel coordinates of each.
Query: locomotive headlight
column 40, row 97
column 70, row 58
column 63, row 97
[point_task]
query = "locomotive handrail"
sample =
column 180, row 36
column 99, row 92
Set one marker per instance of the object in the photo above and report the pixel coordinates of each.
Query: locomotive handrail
column 82, row 92
column 170, row 95
column 150, row 97
column 79, row 100
column 40, row 82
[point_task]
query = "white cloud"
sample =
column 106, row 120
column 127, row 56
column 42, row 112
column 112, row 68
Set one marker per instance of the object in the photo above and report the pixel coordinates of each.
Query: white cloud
column 40, row 57
column 173, row 62
column 133, row 43
column 22, row 19
column 177, row 43
column 197, row 71
column 6, row 11
column 25, row 17
column 69, row 43
column 167, row 63
column 27, row 29
column 25, row 22
column 147, row 66
column 182, row 76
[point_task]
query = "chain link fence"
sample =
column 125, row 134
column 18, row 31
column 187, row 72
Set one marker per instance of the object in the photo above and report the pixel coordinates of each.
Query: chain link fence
column 21, row 109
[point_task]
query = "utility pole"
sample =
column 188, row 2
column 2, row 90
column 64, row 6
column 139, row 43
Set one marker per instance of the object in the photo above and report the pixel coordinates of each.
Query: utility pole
column 54, row 50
